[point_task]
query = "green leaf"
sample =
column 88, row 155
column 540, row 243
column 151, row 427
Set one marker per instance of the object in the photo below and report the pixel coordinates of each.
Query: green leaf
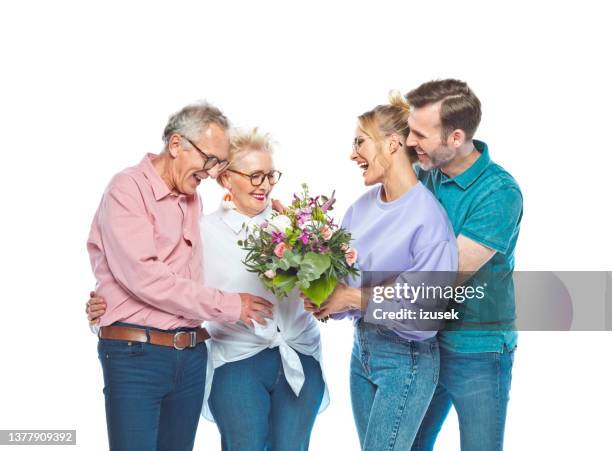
column 320, row 289
column 317, row 215
column 268, row 283
column 313, row 265
column 284, row 282
column 283, row 264
column 292, row 235
column 292, row 259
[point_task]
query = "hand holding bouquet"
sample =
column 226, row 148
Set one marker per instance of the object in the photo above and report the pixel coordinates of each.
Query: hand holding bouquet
column 301, row 247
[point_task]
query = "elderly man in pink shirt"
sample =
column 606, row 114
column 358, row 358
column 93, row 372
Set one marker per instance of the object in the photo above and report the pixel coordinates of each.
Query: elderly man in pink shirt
column 145, row 251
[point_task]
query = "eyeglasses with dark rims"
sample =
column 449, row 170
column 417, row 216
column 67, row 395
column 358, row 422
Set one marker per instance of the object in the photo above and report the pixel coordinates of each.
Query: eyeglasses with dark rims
column 210, row 161
column 257, row 178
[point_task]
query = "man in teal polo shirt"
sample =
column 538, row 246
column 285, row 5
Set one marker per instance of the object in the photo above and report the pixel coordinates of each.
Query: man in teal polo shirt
column 485, row 206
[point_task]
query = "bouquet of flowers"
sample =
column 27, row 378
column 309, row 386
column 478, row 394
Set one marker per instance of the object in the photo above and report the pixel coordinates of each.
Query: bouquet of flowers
column 301, row 247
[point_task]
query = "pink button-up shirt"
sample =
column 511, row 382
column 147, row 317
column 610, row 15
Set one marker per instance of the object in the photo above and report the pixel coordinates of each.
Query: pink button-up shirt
column 146, row 255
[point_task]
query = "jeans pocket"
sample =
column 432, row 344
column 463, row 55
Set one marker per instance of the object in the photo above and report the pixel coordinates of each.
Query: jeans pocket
column 387, row 333
column 390, row 335
column 112, row 349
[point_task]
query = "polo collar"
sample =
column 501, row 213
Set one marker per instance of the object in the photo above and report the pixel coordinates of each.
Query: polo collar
column 471, row 174
column 237, row 221
column 160, row 189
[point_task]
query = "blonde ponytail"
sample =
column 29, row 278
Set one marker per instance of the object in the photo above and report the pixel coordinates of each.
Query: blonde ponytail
column 397, row 100
column 388, row 119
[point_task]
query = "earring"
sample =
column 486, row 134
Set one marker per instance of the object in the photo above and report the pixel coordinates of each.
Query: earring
column 227, row 203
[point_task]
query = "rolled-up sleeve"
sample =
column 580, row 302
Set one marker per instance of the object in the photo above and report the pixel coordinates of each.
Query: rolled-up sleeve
column 129, row 241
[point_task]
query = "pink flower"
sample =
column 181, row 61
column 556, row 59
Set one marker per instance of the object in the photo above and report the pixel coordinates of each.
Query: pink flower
column 304, row 237
column 329, row 204
column 270, row 274
column 280, row 249
column 303, row 215
column 326, row 233
column 350, row 255
column 278, row 237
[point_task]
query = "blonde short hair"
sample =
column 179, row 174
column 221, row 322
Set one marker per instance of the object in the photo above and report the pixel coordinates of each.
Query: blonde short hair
column 243, row 141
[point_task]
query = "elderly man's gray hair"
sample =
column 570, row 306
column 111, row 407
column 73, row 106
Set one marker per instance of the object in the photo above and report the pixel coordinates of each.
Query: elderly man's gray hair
column 193, row 120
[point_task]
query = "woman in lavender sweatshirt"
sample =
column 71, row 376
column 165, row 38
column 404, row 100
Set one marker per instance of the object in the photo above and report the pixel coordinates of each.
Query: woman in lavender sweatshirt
column 399, row 227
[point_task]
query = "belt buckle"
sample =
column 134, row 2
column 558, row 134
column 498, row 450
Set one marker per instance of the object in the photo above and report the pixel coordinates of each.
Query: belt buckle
column 192, row 334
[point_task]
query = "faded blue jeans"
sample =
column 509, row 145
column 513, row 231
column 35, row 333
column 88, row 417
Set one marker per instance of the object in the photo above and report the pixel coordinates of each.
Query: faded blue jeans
column 478, row 385
column 153, row 394
column 255, row 408
column 392, row 383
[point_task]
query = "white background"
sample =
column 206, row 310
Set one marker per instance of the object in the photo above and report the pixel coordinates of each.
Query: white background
column 86, row 88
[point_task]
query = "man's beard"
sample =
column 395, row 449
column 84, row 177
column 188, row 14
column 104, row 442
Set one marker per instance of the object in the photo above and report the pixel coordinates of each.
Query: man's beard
column 441, row 157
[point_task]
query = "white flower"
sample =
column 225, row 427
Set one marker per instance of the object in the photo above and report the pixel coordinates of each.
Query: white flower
column 281, row 223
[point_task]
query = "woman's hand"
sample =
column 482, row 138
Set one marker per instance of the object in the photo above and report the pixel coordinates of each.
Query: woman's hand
column 278, row 206
column 254, row 308
column 309, row 306
column 95, row 308
column 342, row 299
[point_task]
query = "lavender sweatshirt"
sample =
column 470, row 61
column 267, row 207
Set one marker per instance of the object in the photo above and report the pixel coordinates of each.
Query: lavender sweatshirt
column 409, row 234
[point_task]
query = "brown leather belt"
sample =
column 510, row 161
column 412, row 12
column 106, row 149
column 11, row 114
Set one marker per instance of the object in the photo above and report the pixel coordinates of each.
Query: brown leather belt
column 177, row 340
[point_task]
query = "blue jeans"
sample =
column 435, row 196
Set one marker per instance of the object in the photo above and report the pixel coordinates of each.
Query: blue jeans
column 478, row 385
column 153, row 394
column 392, row 382
column 255, row 408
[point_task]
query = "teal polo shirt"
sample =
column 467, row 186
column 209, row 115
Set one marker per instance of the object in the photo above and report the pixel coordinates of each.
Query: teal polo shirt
column 484, row 203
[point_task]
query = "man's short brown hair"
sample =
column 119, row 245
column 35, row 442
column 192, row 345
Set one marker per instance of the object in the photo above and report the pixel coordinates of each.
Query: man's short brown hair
column 459, row 106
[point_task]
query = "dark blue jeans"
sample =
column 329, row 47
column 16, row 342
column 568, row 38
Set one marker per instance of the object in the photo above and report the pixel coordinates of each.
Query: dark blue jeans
column 153, row 395
column 255, row 408
column 478, row 385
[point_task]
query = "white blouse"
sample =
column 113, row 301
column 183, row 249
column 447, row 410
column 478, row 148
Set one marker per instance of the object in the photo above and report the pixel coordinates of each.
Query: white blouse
column 291, row 329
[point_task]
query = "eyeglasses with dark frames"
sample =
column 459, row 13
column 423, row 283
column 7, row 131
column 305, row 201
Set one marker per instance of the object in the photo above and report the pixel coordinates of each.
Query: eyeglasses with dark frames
column 210, row 161
column 257, row 178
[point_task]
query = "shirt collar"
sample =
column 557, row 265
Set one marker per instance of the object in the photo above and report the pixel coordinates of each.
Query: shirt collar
column 160, row 189
column 469, row 176
column 236, row 221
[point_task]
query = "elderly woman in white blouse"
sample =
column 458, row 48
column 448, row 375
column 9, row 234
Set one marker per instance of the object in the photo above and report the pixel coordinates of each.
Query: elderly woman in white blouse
column 264, row 384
